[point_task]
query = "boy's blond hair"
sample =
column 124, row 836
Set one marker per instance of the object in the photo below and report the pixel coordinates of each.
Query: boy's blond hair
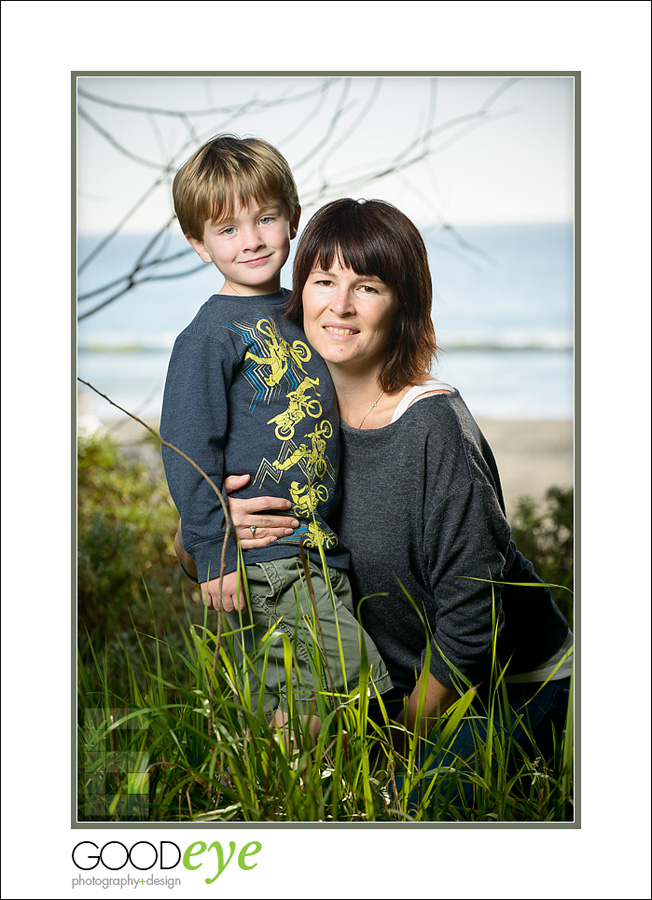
column 227, row 170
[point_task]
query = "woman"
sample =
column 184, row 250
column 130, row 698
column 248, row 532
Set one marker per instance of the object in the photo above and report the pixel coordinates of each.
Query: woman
column 422, row 510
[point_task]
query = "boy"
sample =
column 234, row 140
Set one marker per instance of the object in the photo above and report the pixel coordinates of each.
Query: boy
column 245, row 394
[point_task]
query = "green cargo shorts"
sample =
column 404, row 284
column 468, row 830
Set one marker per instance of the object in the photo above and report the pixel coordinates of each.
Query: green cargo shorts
column 319, row 642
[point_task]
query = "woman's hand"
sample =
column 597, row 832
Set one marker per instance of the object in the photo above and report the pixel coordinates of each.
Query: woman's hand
column 438, row 697
column 248, row 513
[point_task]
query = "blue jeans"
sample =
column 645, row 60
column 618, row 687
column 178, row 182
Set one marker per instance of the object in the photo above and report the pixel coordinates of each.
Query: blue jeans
column 534, row 719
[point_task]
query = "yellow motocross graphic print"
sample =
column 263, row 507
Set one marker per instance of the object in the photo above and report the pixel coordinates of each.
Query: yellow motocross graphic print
column 275, row 370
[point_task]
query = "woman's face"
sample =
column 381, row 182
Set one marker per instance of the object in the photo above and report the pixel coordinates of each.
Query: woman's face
column 348, row 318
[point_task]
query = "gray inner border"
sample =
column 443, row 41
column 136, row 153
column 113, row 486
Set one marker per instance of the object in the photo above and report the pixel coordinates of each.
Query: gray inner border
column 576, row 824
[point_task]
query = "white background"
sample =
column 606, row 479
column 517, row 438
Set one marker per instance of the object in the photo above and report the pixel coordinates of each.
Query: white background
column 609, row 43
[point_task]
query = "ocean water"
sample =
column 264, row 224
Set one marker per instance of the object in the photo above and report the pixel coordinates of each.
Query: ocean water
column 503, row 314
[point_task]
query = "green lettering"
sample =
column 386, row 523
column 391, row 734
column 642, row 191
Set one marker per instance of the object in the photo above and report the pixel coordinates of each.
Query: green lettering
column 245, row 852
column 221, row 865
column 191, row 852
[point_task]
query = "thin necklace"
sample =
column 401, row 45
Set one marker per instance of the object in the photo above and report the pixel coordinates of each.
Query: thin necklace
column 373, row 406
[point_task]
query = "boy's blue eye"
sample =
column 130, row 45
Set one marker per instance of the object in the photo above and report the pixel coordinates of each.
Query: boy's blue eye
column 229, row 230
column 265, row 220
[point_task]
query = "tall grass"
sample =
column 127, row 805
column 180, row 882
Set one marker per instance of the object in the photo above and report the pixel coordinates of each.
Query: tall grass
column 172, row 726
column 192, row 742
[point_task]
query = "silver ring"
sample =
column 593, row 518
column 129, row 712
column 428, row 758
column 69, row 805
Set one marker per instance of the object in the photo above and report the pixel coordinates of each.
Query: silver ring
column 252, row 529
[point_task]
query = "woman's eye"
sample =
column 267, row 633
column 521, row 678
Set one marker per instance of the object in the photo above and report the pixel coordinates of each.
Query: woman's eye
column 368, row 289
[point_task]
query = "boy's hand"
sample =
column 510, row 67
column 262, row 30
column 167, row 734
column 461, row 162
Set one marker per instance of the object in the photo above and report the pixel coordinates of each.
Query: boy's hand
column 245, row 513
column 232, row 598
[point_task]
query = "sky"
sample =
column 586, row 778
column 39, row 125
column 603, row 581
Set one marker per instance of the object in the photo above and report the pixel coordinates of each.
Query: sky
column 449, row 150
column 499, row 149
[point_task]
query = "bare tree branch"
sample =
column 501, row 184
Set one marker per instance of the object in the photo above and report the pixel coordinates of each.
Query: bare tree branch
column 319, row 105
column 114, row 143
column 356, row 123
column 209, row 111
column 339, row 112
column 419, row 148
column 106, row 240
column 430, row 139
column 157, row 261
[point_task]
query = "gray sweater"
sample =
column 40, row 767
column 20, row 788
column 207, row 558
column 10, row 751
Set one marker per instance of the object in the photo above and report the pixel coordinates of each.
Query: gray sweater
column 422, row 515
column 246, row 394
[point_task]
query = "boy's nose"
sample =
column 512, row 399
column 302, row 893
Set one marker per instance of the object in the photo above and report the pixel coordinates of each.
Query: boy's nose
column 252, row 239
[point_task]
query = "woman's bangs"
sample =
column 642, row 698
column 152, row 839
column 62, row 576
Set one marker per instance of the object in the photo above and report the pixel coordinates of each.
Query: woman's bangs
column 352, row 252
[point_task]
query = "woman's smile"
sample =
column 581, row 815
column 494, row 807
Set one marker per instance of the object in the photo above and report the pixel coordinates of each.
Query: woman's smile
column 340, row 331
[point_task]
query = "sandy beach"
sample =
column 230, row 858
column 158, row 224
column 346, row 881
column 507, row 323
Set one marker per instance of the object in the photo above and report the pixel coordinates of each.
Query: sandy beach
column 531, row 455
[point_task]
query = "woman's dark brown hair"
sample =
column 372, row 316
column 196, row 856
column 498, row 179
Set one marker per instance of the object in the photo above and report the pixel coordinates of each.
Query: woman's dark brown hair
column 373, row 237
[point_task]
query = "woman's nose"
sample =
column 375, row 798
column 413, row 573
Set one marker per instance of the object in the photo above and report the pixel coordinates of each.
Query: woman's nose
column 341, row 302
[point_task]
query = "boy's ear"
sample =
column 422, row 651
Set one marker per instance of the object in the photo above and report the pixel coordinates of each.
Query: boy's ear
column 294, row 222
column 200, row 249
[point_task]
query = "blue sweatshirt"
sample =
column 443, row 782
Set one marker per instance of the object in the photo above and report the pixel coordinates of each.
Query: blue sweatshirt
column 245, row 393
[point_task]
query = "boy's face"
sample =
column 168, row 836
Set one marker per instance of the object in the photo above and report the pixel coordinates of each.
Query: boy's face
column 250, row 247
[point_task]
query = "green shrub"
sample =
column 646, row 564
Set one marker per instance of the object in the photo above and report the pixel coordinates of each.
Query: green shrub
column 544, row 535
column 125, row 526
column 129, row 581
